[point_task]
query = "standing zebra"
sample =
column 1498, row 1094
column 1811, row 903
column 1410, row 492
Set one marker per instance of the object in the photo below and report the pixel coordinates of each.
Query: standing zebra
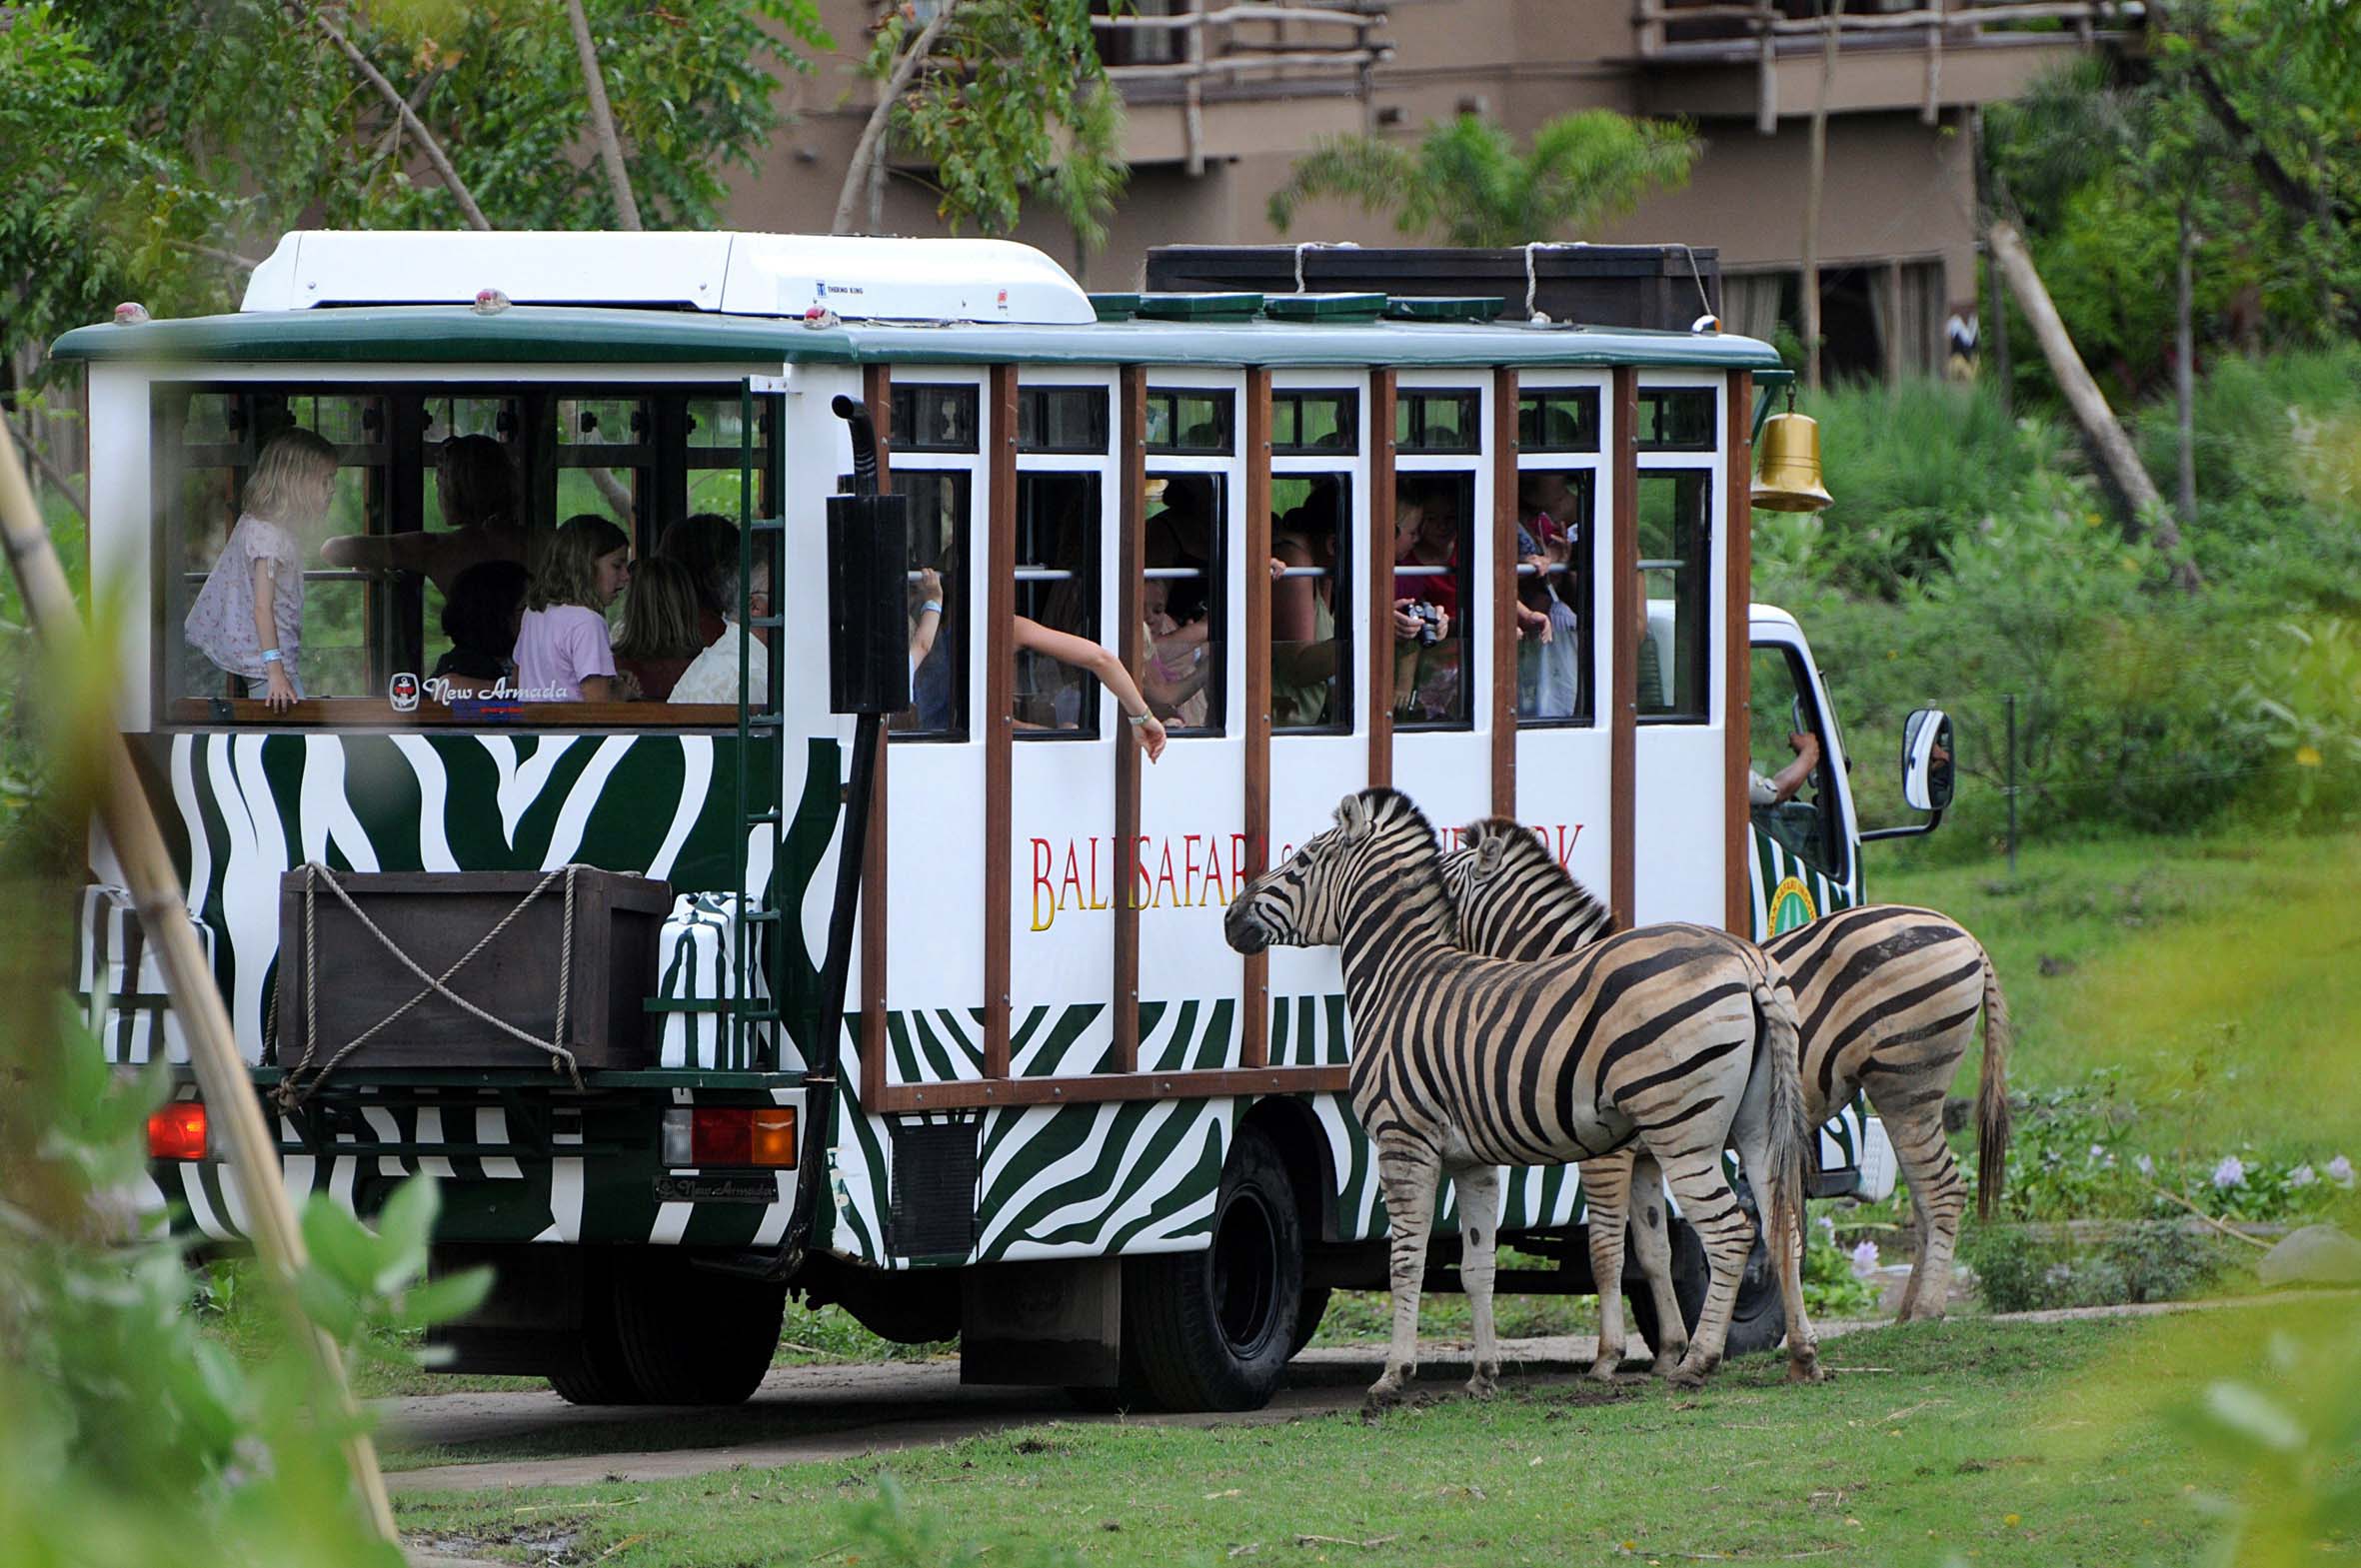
column 1680, row 1036
column 1888, row 997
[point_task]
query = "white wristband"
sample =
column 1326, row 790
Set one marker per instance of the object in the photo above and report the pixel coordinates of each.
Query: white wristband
column 271, row 656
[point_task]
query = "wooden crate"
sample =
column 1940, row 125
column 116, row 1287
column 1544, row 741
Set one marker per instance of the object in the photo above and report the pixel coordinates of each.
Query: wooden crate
column 435, row 918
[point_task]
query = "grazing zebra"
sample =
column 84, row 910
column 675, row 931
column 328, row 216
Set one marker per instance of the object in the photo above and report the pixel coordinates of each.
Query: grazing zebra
column 1887, row 996
column 1682, row 1037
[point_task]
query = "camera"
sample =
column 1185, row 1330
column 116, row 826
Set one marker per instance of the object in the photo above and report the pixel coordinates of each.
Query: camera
column 1429, row 623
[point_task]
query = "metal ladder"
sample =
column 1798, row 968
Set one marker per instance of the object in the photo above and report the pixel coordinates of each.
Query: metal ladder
column 760, row 778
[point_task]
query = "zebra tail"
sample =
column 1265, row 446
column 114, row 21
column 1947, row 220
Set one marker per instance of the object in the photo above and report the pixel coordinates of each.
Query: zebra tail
column 1992, row 1097
column 1791, row 1140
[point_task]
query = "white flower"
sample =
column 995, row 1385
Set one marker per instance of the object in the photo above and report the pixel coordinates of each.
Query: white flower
column 2340, row 1171
column 2301, row 1176
column 1865, row 1261
column 2147, row 1167
column 2231, row 1172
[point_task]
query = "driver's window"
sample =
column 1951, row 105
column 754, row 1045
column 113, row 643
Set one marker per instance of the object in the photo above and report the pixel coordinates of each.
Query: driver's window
column 1788, row 796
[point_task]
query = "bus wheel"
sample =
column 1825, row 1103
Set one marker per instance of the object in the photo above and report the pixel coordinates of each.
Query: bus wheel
column 591, row 1371
column 1307, row 1316
column 1214, row 1329
column 690, row 1337
column 1757, row 1323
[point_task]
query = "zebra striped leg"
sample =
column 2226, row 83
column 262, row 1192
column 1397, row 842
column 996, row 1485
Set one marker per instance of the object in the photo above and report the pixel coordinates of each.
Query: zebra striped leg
column 1408, row 1171
column 1918, row 1240
column 1607, row 1200
column 1651, row 1242
column 1937, row 1192
column 1696, row 1179
column 1479, row 1235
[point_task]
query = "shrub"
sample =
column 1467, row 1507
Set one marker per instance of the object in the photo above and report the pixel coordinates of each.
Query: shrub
column 2155, row 1260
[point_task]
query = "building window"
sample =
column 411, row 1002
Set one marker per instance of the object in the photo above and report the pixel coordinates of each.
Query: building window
column 1675, row 637
column 1439, row 422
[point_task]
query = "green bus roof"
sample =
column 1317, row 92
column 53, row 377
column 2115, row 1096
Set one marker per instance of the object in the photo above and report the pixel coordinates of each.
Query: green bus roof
column 566, row 334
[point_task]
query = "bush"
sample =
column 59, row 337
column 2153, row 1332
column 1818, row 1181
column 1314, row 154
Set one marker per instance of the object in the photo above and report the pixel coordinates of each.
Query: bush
column 2157, row 1260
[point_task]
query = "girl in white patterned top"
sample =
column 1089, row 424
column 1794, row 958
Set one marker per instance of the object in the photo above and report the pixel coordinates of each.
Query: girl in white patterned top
column 247, row 618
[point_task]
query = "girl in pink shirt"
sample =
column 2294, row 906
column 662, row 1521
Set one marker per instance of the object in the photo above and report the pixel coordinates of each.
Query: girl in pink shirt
column 561, row 650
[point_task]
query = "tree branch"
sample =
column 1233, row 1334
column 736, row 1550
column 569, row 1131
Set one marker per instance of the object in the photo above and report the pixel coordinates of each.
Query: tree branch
column 627, row 209
column 2291, row 192
column 873, row 134
column 50, row 472
column 427, row 143
column 215, row 253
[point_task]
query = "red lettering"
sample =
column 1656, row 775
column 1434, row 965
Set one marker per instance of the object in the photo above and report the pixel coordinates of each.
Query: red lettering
column 1096, row 903
column 1245, row 865
column 1042, row 859
column 1213, row 873
column 1565, row 842
column 1142, row 893
column 1163, row 880
column 1188, row 869
column 1074, row 879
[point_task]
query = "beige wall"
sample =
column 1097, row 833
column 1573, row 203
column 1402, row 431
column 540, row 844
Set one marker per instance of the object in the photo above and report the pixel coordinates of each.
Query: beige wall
column 1895, row 187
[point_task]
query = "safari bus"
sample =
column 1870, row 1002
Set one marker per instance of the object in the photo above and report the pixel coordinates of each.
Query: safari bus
column 890, row 971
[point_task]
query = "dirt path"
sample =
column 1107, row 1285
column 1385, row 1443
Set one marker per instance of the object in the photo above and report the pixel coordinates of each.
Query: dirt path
column 820, row 1413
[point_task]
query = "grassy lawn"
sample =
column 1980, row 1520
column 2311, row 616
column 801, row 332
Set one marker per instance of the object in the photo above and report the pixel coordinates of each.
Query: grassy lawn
column 2220, row 979
column 1981, row 1441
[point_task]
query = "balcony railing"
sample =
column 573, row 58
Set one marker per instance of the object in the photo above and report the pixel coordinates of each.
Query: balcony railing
column 1162, row 51
column 1722, row 31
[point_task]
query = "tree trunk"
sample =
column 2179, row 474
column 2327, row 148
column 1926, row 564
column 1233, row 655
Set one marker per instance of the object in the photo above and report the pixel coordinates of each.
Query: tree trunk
column 2083, row 396
column 1995, row 330
column 2184, row 372
column 601, row 114
column 1815, row 176
column 873, row 135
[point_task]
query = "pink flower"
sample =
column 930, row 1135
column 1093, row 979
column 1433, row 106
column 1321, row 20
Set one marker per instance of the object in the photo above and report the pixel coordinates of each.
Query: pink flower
column 1865, row 1261
column 2231, row 1172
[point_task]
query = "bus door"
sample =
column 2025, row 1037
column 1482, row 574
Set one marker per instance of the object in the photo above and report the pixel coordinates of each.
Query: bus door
column 1799, row 818
column 1676, row 615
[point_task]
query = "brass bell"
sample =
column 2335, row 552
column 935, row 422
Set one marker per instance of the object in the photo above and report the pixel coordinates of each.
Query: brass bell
column 1787, row 477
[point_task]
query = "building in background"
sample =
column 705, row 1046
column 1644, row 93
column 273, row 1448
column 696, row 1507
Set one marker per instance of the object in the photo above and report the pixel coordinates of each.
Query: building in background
column 1224, row 95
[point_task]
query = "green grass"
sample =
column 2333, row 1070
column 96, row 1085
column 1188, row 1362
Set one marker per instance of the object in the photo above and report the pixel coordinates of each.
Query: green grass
column 2218, row 979
column 2000, row 1443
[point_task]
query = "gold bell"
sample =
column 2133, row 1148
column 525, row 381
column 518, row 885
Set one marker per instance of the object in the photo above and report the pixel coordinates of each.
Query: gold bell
column 1788, row 475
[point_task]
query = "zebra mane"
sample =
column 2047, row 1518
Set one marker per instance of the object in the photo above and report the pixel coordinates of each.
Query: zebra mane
column 1520, row 848
column 1390, row 807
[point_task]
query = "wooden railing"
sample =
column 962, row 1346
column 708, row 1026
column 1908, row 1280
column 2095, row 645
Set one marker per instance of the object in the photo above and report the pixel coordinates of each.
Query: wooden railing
column 1680, row 28
column 1148, row 55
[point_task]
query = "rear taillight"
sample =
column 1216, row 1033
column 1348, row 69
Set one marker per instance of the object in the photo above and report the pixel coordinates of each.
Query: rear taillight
column 763, row 1135
column 177, row 1131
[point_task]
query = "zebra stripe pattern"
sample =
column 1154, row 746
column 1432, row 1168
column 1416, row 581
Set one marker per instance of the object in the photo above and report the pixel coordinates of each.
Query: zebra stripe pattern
column 1887, row 996
column 1680, row 1038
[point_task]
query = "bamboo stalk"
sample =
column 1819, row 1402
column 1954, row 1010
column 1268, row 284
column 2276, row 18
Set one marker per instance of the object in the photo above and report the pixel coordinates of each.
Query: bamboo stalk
column 252, row 1155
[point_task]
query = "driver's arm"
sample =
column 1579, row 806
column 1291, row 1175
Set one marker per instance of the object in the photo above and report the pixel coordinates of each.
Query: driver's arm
column 1791, row 777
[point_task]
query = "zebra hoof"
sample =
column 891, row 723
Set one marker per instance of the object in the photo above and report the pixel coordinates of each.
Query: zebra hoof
column 1805, row 1369
column 1603, row 1371
column 1670, row 1359
column 1384, row 1394
column 1684, row 1376
column 1484, row 1383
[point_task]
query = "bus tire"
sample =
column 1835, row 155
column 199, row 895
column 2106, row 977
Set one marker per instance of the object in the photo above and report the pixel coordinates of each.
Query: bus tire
column 1308, row 1315
column 1212, row 1330
column 592, row 1369
column 690, row 1337
column 1759, row 1321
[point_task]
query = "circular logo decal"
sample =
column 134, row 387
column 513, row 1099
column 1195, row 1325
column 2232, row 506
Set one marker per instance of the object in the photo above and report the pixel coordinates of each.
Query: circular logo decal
column 1790, row 906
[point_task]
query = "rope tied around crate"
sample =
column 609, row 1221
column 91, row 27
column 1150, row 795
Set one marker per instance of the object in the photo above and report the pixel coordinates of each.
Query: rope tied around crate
column 294, row 1089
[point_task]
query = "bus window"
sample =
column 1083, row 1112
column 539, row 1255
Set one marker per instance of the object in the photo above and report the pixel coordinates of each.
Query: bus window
column 716, row 426
column 937, row 567
column 1181, row 600
column 1675, row 596
column 604, row 447
column 1057, row 529
column 1431, row 550
column 1438, row 421
column 1554, row 508
column 1069, row 419
column 1192, row 421
column 934, row 418
column 1312, row 616
column 1789, row 792
column 1314, row 424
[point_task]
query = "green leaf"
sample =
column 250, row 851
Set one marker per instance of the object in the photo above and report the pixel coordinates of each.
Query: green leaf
column 442, row 1301
column 403, row 1226
column 339, row 1246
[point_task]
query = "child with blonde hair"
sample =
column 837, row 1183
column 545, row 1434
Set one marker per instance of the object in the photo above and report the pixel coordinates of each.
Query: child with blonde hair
column 562, row 646
column 247, row 618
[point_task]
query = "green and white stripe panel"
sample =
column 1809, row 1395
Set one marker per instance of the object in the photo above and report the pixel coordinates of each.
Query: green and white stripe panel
column 1789, row 890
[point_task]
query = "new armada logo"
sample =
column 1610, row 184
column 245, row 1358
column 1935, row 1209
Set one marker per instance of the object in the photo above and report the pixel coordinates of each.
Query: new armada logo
column 1790, row 906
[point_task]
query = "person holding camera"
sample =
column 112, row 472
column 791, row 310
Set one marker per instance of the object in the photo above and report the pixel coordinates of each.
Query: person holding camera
column 1427, row 680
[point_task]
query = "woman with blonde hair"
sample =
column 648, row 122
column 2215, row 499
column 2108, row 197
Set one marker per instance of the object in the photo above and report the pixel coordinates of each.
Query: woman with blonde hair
column 247, row 618
column 659, row 634
column 562, row 651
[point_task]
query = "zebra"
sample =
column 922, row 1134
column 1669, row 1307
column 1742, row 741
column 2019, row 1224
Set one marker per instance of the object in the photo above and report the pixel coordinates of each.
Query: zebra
column 1888, row 997
column 1682, row 1037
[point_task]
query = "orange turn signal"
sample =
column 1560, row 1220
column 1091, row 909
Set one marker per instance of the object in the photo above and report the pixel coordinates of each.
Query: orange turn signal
column 178, row 1131
column 733, row 1136
column 774, row 1142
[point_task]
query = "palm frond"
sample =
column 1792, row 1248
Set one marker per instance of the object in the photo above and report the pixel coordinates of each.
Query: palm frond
column 1377, row 175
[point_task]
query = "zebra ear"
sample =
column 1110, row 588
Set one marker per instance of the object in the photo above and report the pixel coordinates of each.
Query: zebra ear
column 1352, row 817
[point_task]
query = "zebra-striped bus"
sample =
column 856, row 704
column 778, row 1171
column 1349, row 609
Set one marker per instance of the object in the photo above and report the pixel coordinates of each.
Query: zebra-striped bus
column 940, row 1023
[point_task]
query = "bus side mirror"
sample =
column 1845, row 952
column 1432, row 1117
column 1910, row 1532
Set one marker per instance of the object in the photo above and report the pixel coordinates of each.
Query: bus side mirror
column 868, row 604
column 1926, row 761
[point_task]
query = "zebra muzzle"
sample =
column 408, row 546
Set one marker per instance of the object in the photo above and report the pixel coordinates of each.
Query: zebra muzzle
column 1244, row 929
